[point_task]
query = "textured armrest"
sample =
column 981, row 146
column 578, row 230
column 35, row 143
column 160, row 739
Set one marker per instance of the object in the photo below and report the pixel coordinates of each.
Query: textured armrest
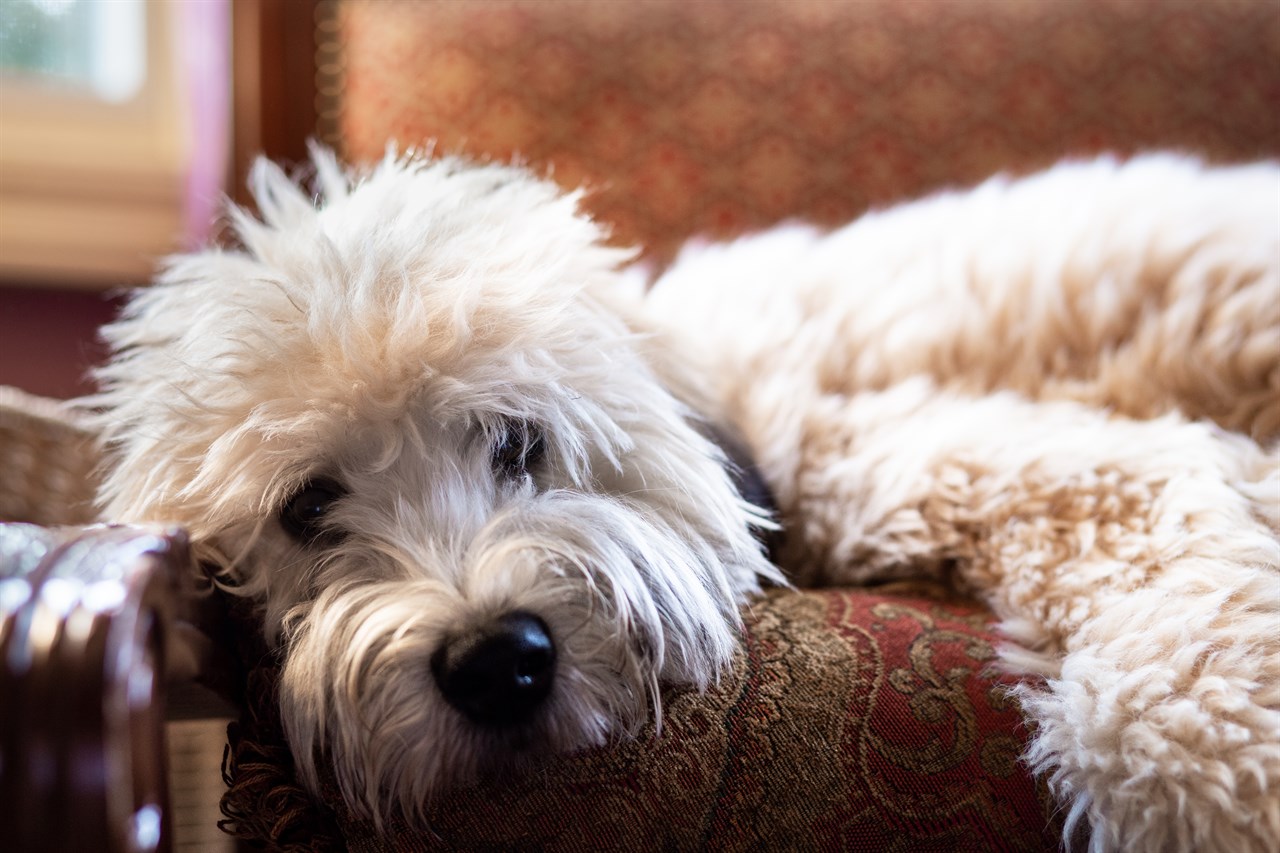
column 84, row 613
column 47, row 461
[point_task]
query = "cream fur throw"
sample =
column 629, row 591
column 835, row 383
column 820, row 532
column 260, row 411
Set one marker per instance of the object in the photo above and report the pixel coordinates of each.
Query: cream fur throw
column 457, row 463
column 1065, row 391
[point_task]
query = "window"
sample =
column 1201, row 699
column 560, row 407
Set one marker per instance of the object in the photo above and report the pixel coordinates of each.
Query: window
column 98, row 47
column 112, row 134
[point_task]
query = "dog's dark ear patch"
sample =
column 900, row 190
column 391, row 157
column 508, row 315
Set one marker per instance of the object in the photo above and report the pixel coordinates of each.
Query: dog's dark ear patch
column 517, row 447
column 748, row 480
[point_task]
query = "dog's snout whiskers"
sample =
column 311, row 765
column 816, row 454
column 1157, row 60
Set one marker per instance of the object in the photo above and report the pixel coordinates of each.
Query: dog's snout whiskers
column 499, row 675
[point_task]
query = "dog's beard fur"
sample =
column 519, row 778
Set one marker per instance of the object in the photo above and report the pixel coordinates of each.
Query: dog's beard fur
column 384, row 339
column 612, row 586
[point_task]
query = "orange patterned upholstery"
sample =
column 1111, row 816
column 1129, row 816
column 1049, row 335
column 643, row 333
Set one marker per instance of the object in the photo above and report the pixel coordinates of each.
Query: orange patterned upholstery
column 716, row 116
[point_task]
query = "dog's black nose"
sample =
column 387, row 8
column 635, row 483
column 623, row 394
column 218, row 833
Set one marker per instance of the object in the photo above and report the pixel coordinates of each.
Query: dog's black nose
column 499, row 675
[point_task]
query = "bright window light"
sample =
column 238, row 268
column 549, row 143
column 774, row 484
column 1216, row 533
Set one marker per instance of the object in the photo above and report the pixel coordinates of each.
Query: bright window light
column 95, row 45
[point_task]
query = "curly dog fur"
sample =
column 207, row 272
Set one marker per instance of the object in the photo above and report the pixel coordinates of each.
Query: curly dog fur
column 429, row 404
column 1065, row 390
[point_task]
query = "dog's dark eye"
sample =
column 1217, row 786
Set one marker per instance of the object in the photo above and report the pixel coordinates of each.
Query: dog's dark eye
column 303, row 514
column 517, row 447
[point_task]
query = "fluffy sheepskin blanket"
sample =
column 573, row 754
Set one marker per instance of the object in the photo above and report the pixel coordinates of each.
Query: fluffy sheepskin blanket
column 1064, row 392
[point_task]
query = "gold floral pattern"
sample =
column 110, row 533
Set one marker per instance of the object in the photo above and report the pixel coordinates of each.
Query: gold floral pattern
column 853, row 720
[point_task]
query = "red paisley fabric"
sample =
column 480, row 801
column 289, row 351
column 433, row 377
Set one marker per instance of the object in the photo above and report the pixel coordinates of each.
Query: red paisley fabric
column 718, row 116
column 854, row 720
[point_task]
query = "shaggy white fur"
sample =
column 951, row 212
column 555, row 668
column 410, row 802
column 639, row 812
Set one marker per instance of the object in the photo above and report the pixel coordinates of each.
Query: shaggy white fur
column 390, row 349
column 433, row 401
column 1065, row 390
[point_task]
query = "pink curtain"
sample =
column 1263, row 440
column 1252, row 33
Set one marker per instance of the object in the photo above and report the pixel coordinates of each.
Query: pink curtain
column 203, row 46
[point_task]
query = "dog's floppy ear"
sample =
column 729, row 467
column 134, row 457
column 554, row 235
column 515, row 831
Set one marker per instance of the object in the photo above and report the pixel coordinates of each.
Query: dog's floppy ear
column 746, row 475
column 679, row 370
column 687, row 377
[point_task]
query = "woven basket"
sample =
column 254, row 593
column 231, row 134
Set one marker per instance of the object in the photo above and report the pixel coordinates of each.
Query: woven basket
column 47, row 461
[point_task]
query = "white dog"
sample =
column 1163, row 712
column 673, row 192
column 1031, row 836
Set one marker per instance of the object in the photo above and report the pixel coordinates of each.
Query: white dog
column 433, row 425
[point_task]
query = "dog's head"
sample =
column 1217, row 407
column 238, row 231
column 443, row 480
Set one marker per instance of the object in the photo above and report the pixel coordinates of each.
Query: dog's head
column 421, row 420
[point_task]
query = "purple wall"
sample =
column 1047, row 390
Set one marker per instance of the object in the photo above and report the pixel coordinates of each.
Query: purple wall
column 48, row 338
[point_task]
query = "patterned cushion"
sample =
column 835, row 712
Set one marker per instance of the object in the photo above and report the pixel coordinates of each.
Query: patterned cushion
column 854, row 720
column 717, row 116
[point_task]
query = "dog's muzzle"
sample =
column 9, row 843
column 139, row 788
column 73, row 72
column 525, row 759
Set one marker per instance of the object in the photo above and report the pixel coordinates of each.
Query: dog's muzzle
column 500, row 674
